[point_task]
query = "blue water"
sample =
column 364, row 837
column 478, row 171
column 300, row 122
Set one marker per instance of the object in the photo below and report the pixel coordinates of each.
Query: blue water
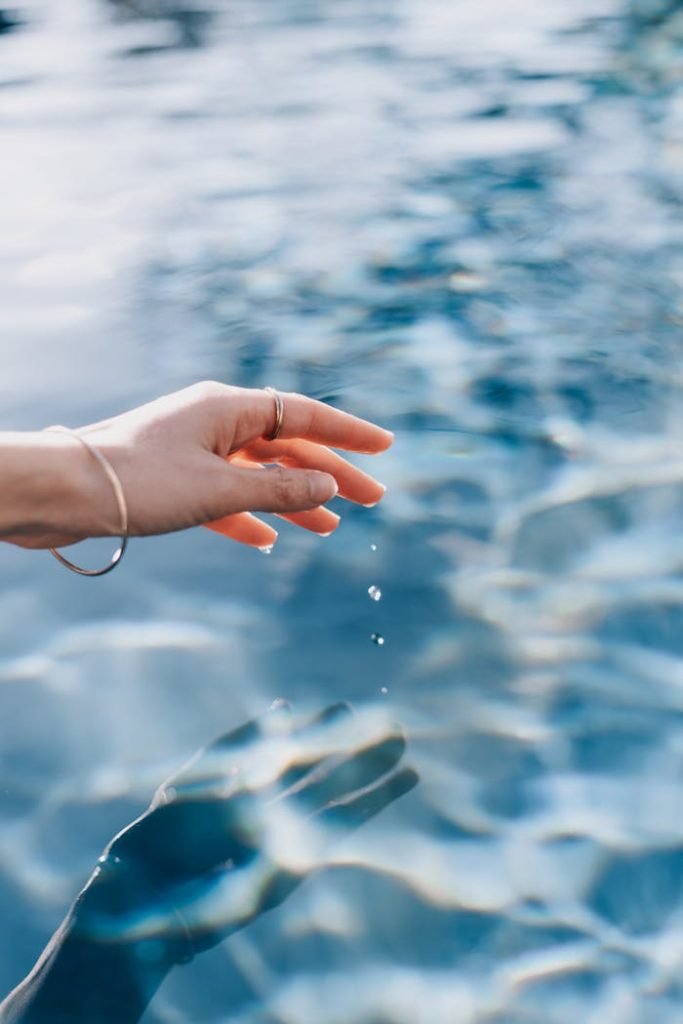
column 462, row 219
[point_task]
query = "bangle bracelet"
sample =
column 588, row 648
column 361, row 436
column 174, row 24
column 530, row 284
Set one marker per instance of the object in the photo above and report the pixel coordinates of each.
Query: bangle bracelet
column 120, row 501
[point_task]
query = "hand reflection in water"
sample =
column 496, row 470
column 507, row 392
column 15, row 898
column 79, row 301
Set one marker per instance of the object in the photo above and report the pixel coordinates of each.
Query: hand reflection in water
column 227, row 838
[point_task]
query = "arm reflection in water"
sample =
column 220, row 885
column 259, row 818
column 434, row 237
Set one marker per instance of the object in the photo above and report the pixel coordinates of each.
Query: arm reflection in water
column 227, row 838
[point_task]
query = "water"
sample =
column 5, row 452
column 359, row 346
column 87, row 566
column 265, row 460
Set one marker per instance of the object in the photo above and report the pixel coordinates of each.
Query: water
column 463, row 220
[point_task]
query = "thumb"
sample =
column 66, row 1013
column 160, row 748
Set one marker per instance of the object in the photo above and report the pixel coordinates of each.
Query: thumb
column 276, row 489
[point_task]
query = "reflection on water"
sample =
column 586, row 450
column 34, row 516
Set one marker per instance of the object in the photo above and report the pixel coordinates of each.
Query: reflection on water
column 462, row 219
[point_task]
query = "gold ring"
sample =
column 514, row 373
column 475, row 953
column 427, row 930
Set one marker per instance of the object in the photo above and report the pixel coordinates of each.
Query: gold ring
column 279, row 414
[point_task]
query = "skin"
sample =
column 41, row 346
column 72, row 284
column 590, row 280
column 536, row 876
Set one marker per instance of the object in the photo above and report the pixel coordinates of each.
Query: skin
column 195, row 457
column 239, row 828
column 226, row 839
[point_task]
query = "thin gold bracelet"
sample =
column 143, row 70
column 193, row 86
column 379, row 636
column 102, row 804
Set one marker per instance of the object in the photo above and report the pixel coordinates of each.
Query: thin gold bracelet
column 120, row 501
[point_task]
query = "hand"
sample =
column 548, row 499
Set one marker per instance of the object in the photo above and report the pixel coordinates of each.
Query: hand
column 227, row 838
column 198, row 457
column 240, row 827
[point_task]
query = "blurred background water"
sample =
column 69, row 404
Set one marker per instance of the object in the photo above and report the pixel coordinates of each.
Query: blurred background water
column 460, row 218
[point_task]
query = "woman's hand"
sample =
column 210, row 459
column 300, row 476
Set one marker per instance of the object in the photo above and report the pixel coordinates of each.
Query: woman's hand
column 197, row 457
column 234, row 832
column 226, row 839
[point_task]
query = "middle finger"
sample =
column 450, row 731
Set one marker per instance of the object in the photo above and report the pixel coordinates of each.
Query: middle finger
column 318, row 520
column 354, row 484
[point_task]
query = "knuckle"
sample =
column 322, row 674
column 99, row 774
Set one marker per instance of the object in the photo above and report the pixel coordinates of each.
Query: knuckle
column 208, row 390
column 285, row 488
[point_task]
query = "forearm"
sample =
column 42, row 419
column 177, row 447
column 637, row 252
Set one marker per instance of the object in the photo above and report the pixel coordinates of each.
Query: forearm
column 49, row 486
column 78, row 980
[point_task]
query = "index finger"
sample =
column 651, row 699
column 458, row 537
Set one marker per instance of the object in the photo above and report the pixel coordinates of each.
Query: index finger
column 307, row 418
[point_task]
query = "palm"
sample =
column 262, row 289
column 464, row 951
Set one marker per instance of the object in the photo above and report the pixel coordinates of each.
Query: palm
column 243, row 824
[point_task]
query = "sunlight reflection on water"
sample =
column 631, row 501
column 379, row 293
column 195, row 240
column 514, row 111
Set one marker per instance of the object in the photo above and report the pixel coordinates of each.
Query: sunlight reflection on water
column 458, row 218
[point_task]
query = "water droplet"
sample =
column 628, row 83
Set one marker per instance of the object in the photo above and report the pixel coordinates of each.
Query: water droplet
column 373, row 547
column 377, row 638
column 108, row 858
column 384, row 689
column 280, row 704
column 267, row 549
column 374, row 592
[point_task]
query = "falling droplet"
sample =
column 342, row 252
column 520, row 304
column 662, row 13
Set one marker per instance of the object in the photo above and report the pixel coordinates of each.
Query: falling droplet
column 377, row 638
column 373, row 547
column 384, row 689
column 280, row 704
column 374, row 592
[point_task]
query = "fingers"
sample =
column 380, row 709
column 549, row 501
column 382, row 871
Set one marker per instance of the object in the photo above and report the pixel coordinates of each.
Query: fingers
column 312, row 762
column 246, row 529
column 317, row 520
column 353, row 483
column 275, row 490
column 306, row 418
column 360, row 807
column 336, row 779
column 216, row 805
column 278, row 721
column 231, row 763
column 326, row 775
column 306, row 475
column 309, row 760
column 206, row 773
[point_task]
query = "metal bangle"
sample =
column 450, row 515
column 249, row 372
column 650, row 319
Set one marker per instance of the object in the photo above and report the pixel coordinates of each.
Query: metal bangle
column 120, row 501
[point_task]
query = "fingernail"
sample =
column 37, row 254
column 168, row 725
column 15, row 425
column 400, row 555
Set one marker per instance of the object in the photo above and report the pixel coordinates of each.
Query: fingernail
column 371, row 504
column 267, row 548
column 322, row 487
column 328, row 533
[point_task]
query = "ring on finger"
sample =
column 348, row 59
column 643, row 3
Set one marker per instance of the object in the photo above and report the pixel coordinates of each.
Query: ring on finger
column 279, row 414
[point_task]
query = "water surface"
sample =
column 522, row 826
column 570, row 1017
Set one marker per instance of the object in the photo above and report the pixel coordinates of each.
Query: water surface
column 461, row 219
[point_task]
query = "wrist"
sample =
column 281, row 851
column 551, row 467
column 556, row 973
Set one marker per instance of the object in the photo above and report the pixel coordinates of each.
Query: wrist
column 52, row 490
column 90, row 971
